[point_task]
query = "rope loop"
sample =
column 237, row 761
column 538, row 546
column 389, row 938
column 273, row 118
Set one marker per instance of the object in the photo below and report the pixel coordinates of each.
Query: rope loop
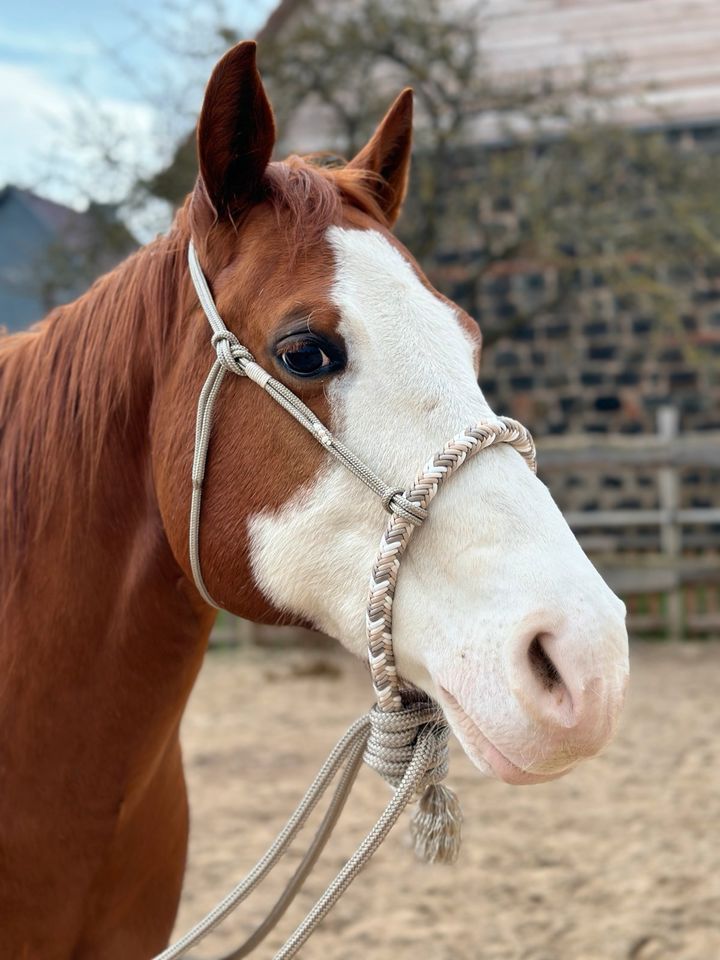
column 395, row 501
column 394, row 736
column 233, row 356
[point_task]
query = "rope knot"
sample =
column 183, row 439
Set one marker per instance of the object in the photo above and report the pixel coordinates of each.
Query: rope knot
column 396, row 502
column 230, row 352
column 395, row 735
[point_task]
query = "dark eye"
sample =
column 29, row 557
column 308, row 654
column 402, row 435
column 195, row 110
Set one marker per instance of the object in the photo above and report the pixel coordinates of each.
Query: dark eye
column 309, row 356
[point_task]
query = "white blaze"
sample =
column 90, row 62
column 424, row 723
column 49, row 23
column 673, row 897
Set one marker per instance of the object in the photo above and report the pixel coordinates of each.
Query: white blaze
column 493, row 566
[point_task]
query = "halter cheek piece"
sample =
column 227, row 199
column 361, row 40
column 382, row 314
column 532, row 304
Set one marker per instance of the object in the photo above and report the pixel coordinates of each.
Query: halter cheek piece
column 404, row 736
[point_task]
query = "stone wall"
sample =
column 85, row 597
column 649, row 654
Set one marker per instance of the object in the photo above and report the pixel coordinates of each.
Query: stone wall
column 604, row 368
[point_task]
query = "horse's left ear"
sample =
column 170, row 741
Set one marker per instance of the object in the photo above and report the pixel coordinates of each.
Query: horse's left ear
column 236, row 132
column 387, row 155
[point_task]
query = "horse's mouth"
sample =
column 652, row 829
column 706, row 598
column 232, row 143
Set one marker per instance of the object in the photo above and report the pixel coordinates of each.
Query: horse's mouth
column 483, row 753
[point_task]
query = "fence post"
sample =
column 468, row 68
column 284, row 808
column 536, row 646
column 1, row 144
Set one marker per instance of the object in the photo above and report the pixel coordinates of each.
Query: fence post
column 670, row 529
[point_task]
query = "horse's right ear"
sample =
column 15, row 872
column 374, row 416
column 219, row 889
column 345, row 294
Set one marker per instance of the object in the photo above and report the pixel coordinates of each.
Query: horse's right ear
column 235, row 134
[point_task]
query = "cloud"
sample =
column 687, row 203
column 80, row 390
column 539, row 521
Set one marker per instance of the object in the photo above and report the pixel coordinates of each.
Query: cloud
column 50, row 140
column 26, row 45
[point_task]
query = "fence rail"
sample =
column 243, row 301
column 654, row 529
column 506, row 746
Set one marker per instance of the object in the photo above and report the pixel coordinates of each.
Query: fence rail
column 668, row 592
column 636, row 450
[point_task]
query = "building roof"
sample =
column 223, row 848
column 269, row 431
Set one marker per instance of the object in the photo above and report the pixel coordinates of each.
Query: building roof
column 50, row 253
column 54, row 217
column 279, row 16
column 73, row 227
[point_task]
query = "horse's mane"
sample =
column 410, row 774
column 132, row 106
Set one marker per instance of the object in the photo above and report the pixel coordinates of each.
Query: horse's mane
column 66, row 385
column 312, row 195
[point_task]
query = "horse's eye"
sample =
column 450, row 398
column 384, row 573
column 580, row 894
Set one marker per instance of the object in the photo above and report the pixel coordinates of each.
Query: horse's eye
column 308, row 356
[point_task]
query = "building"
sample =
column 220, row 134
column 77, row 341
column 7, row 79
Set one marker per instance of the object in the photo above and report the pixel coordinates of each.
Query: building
column 50, row 253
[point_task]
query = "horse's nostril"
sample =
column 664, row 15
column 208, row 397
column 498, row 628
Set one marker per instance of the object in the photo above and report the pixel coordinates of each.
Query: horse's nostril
column 542, row 666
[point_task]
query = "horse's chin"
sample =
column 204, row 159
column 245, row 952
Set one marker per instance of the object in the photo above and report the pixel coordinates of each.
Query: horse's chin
column 483, row 753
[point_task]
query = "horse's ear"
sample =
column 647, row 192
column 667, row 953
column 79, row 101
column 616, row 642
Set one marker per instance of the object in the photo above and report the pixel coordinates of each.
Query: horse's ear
column 236, row 132
column 387, row 155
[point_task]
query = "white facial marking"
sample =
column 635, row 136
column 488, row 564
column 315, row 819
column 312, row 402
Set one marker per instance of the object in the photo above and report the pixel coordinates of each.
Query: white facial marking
column 494, row 566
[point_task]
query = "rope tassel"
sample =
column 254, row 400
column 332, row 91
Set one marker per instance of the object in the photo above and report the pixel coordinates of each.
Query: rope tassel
column 436, row 825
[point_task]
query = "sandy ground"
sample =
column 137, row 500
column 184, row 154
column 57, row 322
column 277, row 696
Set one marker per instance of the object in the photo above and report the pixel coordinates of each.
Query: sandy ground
column 618, row 861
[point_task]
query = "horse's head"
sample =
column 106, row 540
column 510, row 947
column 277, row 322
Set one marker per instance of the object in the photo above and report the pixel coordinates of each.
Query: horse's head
column 498, row 613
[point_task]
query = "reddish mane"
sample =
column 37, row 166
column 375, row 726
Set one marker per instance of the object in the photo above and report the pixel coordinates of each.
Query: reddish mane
column 312, row 196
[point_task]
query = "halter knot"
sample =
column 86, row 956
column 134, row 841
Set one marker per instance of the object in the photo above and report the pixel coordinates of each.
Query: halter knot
column 396, row 502
column 230, row 352
column 394, row 735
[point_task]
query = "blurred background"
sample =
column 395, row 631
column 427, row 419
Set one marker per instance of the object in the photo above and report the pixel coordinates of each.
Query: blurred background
column 566, row 192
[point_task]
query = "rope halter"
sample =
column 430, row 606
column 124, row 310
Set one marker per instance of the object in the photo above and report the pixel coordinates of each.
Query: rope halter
column 405, row 735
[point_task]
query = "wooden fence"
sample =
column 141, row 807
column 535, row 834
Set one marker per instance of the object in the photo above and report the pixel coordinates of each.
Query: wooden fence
column 672, row 592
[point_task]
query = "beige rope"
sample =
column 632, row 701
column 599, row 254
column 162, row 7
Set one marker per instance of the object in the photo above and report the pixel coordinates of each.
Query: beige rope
column 398, row 532
column 405, row 735
column 234, row 358
column 371, row 735
column 319, row 841
column 344, row 751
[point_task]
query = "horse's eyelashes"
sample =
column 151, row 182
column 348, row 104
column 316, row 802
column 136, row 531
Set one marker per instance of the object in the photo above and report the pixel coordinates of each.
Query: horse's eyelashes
column 309, row 355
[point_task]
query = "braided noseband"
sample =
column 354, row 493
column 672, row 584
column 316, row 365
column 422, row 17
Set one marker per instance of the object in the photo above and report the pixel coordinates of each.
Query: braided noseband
column 405, row 735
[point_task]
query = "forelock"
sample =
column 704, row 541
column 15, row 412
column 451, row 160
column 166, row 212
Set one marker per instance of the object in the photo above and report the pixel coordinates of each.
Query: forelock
column 309, row 198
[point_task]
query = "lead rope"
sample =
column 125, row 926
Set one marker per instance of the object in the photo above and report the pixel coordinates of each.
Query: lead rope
column 405, row 736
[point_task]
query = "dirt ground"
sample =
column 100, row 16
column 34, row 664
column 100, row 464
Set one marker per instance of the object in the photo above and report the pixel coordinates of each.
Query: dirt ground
column 618, row 861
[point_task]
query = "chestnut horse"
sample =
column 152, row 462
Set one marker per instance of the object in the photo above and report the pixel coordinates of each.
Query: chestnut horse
column 498, row 613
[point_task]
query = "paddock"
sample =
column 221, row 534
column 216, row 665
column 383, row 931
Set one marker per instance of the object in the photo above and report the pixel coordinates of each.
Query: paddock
column 618, row 861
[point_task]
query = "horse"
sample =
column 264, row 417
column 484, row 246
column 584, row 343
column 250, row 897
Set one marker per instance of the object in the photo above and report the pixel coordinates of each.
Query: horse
column 499, row 615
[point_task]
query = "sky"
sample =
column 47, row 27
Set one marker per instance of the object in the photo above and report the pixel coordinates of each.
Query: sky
column 82, row 76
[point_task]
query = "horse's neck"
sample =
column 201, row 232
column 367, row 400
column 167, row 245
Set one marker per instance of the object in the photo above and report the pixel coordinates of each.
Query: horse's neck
column 98, row 618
